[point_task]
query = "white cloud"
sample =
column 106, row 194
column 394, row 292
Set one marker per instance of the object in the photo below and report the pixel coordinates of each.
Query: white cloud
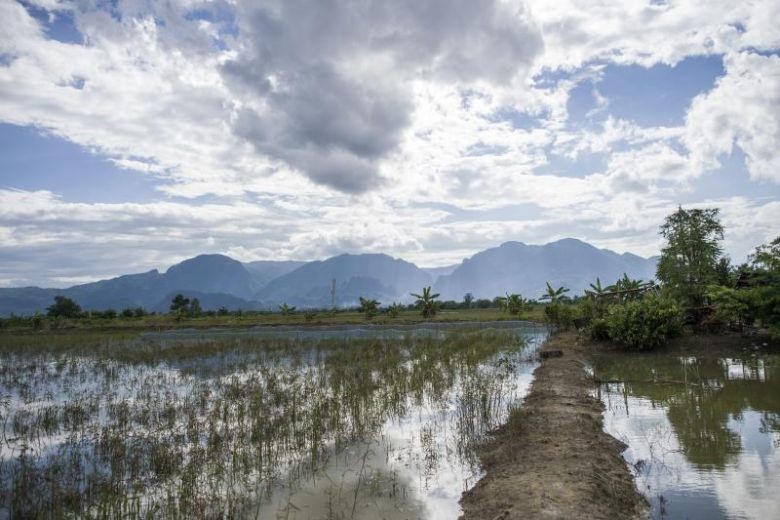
column 646, row 169
column 324, row 128
column 742, row 110
column 640, row 32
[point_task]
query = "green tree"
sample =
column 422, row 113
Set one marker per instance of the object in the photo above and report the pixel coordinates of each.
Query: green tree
column 554, row 295
column 63, row 307
column 180, row 304
column 767, row 257
column 37, row 320
column 734, row 307
column 689, row 260
column 595, row 289
column 512, row 303
column 395, row 310
column 195, row 309
column 724, row 272
column 286, row 310
column 468, row 299
column 765, row 262
column 623, row 286
column 368, row 307
column 594, row 305
column 427, row 303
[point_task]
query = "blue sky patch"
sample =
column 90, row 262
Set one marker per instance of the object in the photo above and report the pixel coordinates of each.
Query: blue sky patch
column 32, row 161
column 659, row 95
column 58, row 25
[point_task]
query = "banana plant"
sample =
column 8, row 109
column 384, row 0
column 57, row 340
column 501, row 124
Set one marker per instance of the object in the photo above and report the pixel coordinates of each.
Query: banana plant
column 395, row 310
column 625, row 284
column 554, row 295
column 368, row 307
column 514, row 303
column 427, row 302
column 596, row 289
column 286, row 310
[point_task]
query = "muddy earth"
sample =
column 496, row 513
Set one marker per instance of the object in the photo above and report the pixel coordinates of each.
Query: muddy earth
column 553, row 459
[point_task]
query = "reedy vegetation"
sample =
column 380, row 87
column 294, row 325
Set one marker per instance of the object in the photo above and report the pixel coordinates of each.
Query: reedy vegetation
column 210, row 427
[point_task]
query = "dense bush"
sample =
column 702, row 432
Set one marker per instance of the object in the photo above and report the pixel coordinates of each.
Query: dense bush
column 644, row 324
column 598, row 329
column 64, row 307
column 734, row 307
column 560, row 315
column 592, row 308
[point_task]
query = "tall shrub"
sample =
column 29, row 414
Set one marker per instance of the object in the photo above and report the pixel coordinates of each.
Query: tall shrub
column 559, row 315
column 644, row 324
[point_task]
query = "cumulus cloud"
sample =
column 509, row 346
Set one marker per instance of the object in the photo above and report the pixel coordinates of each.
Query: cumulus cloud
column 646, row 33
column 315, row 128
column 646, row 169
column 101, row 239
column 327, row 87
column 742, row 110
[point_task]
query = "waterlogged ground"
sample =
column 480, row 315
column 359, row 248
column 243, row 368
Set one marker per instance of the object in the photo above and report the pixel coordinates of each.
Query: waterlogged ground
column 703, row 431
column 336, row 423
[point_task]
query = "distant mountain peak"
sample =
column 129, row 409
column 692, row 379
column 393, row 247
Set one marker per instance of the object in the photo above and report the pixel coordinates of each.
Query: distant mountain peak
column 570, row 240
column 525, row 269
column 220, row 280
column 205, row 259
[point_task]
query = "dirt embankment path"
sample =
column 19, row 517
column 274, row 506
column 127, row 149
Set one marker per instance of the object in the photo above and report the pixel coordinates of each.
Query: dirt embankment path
column 553, row 459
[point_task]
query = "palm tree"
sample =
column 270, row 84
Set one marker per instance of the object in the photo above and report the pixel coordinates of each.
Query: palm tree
column 286, row 310
column 427, row 302
column 554, row 295
column 368, row 307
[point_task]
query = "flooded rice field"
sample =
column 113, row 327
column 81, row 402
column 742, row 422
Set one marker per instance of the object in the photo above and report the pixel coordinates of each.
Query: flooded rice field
column 703, row 432
column 330, row 423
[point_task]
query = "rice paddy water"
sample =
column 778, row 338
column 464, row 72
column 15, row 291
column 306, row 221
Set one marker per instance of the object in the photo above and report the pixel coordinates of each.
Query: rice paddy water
column 351, row 422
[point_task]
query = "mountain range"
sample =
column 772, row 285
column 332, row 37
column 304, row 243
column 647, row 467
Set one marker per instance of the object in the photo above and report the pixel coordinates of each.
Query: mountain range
column 220, row 281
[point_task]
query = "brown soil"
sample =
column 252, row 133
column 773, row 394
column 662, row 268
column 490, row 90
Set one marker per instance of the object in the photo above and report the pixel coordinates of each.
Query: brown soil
column 553, row 459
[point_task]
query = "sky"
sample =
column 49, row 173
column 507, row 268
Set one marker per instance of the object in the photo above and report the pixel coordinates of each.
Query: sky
column 135, row 133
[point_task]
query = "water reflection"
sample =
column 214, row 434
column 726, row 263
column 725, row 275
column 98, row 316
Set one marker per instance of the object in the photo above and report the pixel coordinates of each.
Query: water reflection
column 282, row 426
column 703, row 432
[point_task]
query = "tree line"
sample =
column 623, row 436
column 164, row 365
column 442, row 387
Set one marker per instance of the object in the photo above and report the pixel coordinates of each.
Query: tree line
column 696, row 285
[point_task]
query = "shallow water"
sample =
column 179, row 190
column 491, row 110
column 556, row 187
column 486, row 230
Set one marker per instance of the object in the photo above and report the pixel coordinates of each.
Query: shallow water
column 703, row 431
column 367, row 422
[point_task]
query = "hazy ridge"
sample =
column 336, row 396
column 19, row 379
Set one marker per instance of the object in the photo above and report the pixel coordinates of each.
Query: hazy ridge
column 220, row 281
